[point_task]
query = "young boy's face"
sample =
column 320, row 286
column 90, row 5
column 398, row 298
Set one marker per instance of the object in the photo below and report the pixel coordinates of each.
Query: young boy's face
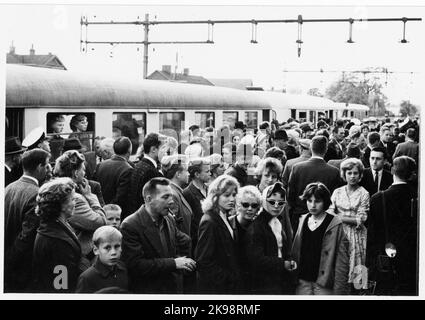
column 113, row 218
column 109, row 251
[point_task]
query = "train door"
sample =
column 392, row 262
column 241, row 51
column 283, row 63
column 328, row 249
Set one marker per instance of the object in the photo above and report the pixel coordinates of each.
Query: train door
column 14, row 122
column 131, row 125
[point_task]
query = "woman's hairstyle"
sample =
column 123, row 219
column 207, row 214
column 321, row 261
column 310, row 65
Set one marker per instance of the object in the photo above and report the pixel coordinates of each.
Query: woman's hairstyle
column 219, row 186
column 75, row 119
column 272, row 164
column 68, row 163
column 349, row 164
column 275, row 152
column 319, row 191
column 51, row 196
column 173, row 164
column 248, row 191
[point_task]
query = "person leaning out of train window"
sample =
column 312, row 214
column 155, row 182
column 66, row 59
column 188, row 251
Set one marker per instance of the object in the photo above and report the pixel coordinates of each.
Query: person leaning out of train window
column 320, row 247
column 239, row 170
column 57, row 252
column 268, row 244
column 79, row 124
column 88, row 214
column 268, row 172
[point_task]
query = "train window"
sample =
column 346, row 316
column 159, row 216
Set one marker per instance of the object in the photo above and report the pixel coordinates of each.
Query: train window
column 266, row 115
column 251, row 119
column 352, row 114
column 205, row 119
column 61, row 126
column 171, row 123
column 229, row 118
column 131, row 125
column 302, row 116
column 293, row 113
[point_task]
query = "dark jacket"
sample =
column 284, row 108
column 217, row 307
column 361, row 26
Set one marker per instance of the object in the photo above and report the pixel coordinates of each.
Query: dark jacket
column 409, row 148
column 11, row 176
column 143, row 171
column 402, row 224
column 334, row 258
column 150, row 270
column 114, row 176
column 56, row 245
column 100, row 276
column 20, row 229
column 290, row 152
column 335, row 151
column 194, row 198
column 267, row 270
column 288, row 168
column 96, row 189
column 182, row 211
column 239, row 173
column 369, row 185
column 216, row 256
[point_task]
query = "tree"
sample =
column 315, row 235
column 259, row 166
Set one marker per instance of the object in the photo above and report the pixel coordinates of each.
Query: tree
column 314, row 92
column 352, row 88
column 408, row 109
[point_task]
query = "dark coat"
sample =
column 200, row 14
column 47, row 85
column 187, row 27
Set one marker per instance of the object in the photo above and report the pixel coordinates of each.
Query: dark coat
column 290, row 152
column 288, row 168
column 402, row 224
column 409, row 148
column 150, row 270
column 216, row 257
column 334, row 151
column 369, row 185
column 20, row 229
column 336, row 163
column 96, row 189
column 182, row 211
column 114, row 176
column 312, row 170
column 194, row 198
column 11, row 176
column 100, row 276
column 239, row 174
column 143, row 171
column 365, row 158
column 56, row 245
column 267, row 270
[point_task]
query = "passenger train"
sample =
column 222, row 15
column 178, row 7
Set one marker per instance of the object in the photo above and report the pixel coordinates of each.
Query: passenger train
column 35, row 95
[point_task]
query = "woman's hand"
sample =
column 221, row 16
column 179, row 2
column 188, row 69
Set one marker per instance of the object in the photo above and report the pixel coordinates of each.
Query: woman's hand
column 85, row 188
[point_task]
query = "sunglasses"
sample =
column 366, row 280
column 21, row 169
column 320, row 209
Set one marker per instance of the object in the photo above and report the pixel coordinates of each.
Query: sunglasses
column 279, row 203
column 247, row 205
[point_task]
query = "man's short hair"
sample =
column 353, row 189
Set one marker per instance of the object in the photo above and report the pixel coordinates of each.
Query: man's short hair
column 319, row 145
column 403, row 167
column 379, row 149
column 122, row 145
column 264, row 125
column 150, row 187
column 353, row 151
column 105, row 233
column 373, row 137
column 112, row 207
column 280, row 134
column 193, row 127
column 32, row 158
column 411, row 133
column 151, row 140
column 195, row 166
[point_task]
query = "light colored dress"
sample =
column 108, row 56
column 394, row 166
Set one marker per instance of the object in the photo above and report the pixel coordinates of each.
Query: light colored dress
column 355, row 205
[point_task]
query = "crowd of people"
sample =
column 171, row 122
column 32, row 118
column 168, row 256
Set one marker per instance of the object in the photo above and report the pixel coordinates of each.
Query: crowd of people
column 286, row 208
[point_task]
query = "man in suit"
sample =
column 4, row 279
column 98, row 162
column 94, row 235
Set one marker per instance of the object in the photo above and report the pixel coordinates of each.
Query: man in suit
column 305, row 154
column 153, row 248
column 335, row 148
column 196, row 191
column 114, row 176
column 409, row 148
column 401, row 223
column 21, row 221
column 386, row 142
column 12, row 160
column 313, row 170
column 373, row 140
column 353, row 151
column 145, row 169
column 280, row 140
column 376, row 178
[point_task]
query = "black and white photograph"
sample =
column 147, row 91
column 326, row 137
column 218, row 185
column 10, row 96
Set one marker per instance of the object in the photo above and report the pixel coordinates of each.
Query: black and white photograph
column 241, row 150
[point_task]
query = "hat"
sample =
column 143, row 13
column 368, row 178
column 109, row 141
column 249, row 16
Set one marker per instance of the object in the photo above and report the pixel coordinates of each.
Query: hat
column 13, row 146
column 322, row 123
column 280, row 134
column 305, row 127
column 72, row 144
column 33, row 138
column 268, row 191
column 305, row 143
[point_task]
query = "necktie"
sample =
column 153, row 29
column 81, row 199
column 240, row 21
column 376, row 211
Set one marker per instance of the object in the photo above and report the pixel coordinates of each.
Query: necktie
column 375, row 180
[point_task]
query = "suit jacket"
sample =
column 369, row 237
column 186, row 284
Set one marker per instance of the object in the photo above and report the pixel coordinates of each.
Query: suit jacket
column 368, row 183
column 181, row 209
column 20, row 229
column 409, row 148
column 218, row 266
column 143, row 171
column 114, row 176
column 365, row 157
column 336, row 162
column 312, row 170
column 11, row 176
column 334, row 151
column 150, row 269
column 402, row 223
column 194, row 198
column 288, row 168
column 56, row 245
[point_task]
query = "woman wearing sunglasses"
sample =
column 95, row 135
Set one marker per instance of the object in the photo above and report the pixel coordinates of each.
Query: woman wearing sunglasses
column 268, row 243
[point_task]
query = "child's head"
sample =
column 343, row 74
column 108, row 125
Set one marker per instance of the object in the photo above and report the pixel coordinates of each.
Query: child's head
column 113, row 215
column 107, row 245
column 317, row 197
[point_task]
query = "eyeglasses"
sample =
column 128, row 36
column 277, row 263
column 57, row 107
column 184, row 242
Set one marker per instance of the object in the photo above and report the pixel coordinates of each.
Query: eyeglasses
column 247, row 205
column 279, row 203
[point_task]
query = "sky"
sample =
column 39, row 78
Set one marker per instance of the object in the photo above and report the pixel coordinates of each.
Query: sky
column 271, row 63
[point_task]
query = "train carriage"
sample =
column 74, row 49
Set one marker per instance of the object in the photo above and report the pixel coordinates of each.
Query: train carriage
column 351, row 110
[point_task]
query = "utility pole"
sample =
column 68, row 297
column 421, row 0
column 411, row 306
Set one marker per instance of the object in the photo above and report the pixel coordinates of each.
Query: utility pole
column 146, row 23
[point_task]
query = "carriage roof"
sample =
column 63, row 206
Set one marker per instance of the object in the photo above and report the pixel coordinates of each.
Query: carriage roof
column 351, row 106
column 43, row 87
